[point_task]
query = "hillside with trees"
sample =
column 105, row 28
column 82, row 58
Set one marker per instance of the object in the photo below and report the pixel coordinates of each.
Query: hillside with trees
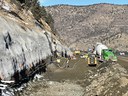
column 82, row 26
column 37, row 10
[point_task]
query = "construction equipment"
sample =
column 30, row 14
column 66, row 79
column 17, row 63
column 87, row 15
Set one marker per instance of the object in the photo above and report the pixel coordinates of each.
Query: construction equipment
column 108, row 55
column 104, row 53
column 77, row 52
column 92, row 60
column 84, row 56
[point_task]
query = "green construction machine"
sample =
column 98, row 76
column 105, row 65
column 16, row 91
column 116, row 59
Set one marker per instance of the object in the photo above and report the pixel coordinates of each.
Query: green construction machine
column 104, row 53
column 108, row 55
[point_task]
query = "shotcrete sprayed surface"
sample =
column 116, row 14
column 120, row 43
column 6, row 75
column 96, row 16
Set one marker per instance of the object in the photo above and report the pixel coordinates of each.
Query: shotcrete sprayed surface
column 21, row 46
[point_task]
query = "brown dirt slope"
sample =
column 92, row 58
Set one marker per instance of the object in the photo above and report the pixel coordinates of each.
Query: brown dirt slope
column 83, row 26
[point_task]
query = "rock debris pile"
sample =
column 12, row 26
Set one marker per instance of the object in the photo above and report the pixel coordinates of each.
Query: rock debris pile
column 111, row 80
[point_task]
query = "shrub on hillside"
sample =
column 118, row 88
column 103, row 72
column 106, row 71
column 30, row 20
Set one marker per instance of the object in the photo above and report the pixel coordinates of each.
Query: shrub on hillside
column 37, row 10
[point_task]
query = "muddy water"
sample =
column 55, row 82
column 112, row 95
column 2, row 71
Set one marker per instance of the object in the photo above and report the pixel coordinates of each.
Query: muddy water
column 75, row 71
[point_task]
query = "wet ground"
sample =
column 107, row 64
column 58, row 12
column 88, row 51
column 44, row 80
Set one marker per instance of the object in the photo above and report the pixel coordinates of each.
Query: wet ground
column 69, row 79
column 74, row 70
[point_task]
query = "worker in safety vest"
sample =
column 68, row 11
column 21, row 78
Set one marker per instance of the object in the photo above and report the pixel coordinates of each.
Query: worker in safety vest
column 58, row 60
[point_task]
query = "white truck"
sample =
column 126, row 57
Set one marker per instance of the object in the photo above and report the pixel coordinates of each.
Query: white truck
column 98, row 49
column 104, row 53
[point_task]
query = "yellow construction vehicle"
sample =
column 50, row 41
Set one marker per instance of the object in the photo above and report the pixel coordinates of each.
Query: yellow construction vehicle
column 92, row 60
column 77, row 52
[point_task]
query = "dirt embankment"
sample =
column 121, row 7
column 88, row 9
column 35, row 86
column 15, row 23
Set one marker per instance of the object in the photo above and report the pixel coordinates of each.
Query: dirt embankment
column 53, row 88
column 111, row 80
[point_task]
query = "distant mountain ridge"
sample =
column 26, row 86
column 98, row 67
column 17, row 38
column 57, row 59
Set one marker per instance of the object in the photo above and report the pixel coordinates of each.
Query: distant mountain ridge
column 82, row 26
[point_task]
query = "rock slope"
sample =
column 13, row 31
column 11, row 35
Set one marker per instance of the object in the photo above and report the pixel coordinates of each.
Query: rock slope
column 23, row 40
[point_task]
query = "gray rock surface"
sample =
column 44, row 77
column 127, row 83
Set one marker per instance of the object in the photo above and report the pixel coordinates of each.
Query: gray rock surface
column 23, row 42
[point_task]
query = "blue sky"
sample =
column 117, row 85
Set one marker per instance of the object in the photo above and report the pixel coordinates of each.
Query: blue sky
column 80, row 2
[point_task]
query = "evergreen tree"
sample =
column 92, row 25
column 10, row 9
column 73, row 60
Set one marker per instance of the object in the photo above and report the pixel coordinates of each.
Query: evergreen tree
column 37, row 10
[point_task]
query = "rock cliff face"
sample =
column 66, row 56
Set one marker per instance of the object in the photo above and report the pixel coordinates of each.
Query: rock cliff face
column 83, row 26
column 23, row 41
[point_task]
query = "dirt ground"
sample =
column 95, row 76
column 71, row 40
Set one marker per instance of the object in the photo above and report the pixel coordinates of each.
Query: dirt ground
column 78, row 79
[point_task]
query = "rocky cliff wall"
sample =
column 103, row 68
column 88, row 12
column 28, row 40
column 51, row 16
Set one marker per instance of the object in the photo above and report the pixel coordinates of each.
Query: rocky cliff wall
column 24, row 42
